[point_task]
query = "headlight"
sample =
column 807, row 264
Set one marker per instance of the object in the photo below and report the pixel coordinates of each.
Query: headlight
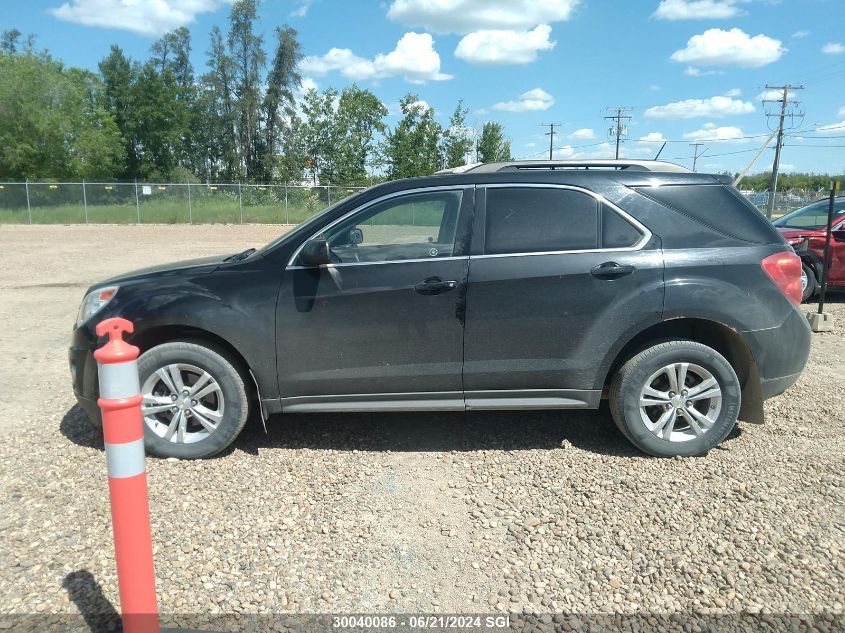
column 94, row 302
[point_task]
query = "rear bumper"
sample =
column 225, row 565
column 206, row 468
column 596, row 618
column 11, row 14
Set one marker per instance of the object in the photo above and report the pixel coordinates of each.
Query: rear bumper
column 780, row 353
column 775, row 386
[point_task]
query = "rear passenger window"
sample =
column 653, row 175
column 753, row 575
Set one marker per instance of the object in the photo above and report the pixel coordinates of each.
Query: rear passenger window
column 616, row 231
column 536, row 220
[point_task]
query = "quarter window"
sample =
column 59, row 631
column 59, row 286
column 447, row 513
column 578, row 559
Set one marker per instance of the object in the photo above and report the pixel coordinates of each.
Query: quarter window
column 536, row 220
column 616, row 231
column 415, row 226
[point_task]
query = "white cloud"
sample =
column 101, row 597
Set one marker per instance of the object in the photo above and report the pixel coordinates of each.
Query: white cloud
column 308, row 84
column 833, row 48
column 655, row 87
column 531, row 144
column 465, row 16
column 716, row 47
column 536, row 99
column 832, row 128
column 146, row 18
column 562, row 153
column 414, row 58
column 733, row 92
column 712, row 132
column 602, row 150
column 653, row 137
column 720, row 106
column 582, row 134
column 696, row 9
column 799, row 34
column 504, row 46
column 692, row 71
column 302, row 10
column 841, row 111
column 774, row 95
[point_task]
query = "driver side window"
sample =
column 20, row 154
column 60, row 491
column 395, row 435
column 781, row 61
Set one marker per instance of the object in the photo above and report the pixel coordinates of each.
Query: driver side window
column 414, row 226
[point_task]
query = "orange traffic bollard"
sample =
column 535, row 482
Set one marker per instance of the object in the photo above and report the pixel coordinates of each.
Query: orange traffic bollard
column 120, row 403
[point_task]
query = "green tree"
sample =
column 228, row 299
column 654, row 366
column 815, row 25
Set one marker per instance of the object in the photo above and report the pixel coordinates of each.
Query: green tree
column 317, row 135
column 9, row 41
column 53, row 123
column 493, row 146
column 118, row 75
column 412, row 147
column 457, row 141
column 217, row 98
column 248, row 60
column 171, row 58
column 359, row 119
column 278, row 107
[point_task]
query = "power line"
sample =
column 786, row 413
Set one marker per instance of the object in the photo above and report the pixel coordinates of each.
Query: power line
column 618, row 130
column 551, row 135
column 779, row 143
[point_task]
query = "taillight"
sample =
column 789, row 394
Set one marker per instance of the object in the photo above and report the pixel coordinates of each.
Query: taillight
column 785, row 270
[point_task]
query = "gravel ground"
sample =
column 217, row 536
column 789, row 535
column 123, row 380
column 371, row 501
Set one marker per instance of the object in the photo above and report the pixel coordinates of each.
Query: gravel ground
column 454, row 513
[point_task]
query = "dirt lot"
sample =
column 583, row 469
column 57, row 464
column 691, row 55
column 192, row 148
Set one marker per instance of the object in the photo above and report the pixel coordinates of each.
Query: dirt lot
column 539, row 512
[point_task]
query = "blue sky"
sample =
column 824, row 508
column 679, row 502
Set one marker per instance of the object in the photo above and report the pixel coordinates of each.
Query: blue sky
column 692, row 70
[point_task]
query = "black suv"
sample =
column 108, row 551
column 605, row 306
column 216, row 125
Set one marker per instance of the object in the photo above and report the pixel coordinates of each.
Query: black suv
column 541, row 285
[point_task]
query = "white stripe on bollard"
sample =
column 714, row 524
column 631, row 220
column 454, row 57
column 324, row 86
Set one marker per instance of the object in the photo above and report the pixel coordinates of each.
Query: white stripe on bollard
column 118, row 380
column 125, row 460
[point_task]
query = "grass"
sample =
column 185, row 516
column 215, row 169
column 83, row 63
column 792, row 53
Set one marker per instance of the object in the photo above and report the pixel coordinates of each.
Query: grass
column 164, row 211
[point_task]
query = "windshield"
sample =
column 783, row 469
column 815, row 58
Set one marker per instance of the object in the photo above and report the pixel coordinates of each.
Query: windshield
column 812, row 217
column 312, row 220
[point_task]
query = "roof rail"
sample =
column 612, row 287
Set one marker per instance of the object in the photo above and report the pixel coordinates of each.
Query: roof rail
column 458, row 170
column 535, row 165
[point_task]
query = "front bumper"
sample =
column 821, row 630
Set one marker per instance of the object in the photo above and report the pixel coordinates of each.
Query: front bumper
column 83, row 372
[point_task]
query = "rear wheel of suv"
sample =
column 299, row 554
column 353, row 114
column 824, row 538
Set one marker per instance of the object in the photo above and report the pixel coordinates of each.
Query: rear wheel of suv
column 194, row 400
column 808, row 283
column 675, row 398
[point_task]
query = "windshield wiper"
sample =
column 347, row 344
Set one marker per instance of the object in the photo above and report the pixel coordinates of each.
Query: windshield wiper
column 240, row 256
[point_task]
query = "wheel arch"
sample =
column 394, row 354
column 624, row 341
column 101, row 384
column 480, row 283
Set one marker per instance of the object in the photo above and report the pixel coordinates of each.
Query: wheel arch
column 720, row 337
column 147, row 339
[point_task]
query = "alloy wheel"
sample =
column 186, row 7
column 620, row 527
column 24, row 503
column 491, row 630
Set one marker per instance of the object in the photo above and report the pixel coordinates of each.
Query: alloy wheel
column 680, row 402
column 182, row 403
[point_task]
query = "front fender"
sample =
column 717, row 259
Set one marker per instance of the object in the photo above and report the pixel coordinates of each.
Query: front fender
column 236, row 305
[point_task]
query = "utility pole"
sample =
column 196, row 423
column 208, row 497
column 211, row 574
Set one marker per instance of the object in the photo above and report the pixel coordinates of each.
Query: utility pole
column 618, row 130
column 784, row 100
column 696, row 155
column 551, row 135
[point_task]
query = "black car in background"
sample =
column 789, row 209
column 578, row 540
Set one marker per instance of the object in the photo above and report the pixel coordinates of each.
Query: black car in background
column 516, row 286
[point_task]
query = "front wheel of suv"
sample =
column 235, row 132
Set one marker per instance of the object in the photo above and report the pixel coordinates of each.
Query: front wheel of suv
column 194, row 400
column 676, row 398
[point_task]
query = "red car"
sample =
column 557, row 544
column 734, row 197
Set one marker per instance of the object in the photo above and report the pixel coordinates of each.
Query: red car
column 805, row 229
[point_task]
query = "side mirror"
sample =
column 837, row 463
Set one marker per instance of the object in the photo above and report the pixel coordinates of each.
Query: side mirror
column 356, row 236
column 839, row 236
column 314, row 252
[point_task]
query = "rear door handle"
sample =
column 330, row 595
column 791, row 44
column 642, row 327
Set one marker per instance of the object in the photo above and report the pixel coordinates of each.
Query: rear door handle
column 611, row 270
column 435, row 286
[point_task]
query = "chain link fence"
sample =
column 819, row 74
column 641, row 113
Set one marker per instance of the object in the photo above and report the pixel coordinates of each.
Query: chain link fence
column 163, row 203
column 212, row 203
column 785, row 201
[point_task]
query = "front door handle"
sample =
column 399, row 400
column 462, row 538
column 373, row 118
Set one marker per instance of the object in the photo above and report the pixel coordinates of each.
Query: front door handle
column 611, row 270
column 435, row 286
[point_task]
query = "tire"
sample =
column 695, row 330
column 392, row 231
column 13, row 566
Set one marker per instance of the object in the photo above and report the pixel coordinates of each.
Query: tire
column 648, row 369
column 207, row 424
column 811, row 285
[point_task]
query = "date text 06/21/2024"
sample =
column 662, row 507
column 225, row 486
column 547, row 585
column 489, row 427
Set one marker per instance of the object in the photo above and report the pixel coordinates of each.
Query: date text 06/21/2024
column 482, row 622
